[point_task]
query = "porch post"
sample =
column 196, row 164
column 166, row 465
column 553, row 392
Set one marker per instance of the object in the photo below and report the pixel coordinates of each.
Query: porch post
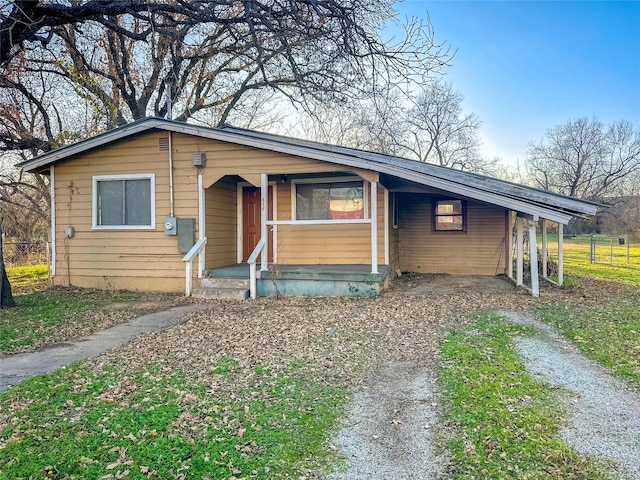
column 509, row 244
column 533, row 259
column 264, row 200
column 201, row 232
column 386, row 227
column 560, row 253
column 374, row 227
column 544, row 248
column 520, row 250
column 52, row 192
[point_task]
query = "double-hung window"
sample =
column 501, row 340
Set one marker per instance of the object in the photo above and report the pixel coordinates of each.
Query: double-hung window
column 124, row 201
column 330, row 200
column 449, row 216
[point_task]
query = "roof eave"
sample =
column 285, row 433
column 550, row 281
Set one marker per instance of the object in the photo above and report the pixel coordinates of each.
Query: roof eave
column 554, row 213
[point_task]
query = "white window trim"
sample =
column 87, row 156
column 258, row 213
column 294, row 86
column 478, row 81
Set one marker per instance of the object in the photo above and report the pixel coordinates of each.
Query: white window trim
column 133, row 176
column 294, row 213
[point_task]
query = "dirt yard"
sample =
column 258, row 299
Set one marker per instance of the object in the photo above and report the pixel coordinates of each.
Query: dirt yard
column 382, row 347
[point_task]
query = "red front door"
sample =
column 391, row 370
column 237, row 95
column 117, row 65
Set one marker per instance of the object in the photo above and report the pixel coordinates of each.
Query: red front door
column 251, row 221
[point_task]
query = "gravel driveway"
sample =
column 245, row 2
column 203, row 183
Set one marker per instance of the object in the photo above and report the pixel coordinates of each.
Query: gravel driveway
column 603, row 414
column 389, row 433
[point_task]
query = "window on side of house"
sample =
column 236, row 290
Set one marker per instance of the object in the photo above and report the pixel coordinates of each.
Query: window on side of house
column 330, row 201
column 449, row 216
column 124, row 201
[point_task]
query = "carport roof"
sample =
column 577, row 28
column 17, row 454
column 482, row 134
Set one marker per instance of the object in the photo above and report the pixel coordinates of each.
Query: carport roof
column 532, row 201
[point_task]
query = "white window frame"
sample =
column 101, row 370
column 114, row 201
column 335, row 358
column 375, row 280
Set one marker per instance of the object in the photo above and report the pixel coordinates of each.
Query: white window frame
column 132, row 176
column 294, row 191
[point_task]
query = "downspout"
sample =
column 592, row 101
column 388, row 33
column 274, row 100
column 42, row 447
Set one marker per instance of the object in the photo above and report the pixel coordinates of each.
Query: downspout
column 169, row 115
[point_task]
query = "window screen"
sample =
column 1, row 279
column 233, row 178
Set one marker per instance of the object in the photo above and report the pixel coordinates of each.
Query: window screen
column 124, row 202
column 329, row 201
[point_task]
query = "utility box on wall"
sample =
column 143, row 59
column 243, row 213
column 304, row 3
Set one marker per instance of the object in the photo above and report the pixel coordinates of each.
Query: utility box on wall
column 170, row 226
column 186, row 234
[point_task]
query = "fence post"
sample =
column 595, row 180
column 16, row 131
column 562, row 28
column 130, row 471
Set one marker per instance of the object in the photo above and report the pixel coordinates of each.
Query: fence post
column 611, row 251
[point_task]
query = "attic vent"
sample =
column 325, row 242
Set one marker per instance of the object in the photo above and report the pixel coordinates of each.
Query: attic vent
column 163, row 144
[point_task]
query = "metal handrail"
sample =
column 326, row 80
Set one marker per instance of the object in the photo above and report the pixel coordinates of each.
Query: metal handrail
column 188, row 258
column 252, row 266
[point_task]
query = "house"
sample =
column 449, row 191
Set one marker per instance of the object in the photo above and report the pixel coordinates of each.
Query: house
column 137, row 206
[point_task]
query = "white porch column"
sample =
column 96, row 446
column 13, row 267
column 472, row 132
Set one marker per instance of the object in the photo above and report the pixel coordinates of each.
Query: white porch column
column 509, row 244
column 544, row 248
column 201, row 232
column 264, row 200
column 386, row 227
column 560, row 254
column 52, row 191
column 520, row 250
column 374, row 227
column 533, row 259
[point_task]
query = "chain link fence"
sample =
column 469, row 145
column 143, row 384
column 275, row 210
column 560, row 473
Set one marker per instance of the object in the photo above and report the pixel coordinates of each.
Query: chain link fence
column 613, row 250
column 22, row 254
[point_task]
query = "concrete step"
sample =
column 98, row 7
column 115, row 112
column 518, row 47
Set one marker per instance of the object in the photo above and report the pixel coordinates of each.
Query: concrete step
column 221, row 293
column 217, row 282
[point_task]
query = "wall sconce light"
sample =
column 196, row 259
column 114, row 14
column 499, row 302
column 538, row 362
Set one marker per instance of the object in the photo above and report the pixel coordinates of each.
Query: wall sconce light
column 70, row 231
column 283, row 178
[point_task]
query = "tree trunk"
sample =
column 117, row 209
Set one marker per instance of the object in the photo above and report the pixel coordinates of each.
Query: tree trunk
column 6, row 298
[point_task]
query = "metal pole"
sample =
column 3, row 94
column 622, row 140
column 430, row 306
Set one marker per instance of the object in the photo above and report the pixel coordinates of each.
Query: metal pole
column 611, row 252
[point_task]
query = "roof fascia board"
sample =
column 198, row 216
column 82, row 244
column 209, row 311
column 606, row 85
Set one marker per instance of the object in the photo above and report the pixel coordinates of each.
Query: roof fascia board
column 90, row 143
column 560, row 201
column 302, row 151
column 342, row 159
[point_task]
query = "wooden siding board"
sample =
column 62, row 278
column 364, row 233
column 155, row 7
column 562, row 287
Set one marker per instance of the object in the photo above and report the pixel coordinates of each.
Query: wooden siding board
column 113, row 253
column 220, row 218
column 479, row 251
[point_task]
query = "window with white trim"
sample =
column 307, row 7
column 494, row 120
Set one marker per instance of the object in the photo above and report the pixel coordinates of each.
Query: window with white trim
column 342, row 200
column 124, row 201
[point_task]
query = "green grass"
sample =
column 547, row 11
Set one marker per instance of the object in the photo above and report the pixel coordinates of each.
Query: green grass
column 608, row 332
column 26, row 276
column 51, row 315
column 505, row 421
column 158, row 422
column 606, row 267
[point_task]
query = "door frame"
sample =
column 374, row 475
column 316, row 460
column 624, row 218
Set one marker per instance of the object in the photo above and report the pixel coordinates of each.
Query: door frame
column 240, row 219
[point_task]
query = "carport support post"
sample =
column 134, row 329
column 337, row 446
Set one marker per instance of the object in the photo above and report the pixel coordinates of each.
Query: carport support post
column 264, row 196
column 533, row 258
column 560, row 254
column 544, row 248
column 520, row 250
column 374, row 227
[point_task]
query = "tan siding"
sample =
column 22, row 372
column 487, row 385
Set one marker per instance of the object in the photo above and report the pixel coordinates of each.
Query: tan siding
column 121, row 258
column 148, row 259
column 221, row 230
column 393, row 237
column 324, row 244
column 479, row 251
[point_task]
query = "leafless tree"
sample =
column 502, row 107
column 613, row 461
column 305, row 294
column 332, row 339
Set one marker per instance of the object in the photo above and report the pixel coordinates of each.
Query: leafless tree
column 584, row 158
column 373, row 124
column 121, row 57
column 439, row 132
column 6, row 296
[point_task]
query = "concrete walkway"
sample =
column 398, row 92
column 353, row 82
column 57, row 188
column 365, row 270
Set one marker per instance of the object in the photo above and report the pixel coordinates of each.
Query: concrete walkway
column 15, row 368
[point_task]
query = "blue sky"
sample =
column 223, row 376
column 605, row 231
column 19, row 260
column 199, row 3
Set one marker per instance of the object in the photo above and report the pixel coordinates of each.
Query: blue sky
column 525, row 66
